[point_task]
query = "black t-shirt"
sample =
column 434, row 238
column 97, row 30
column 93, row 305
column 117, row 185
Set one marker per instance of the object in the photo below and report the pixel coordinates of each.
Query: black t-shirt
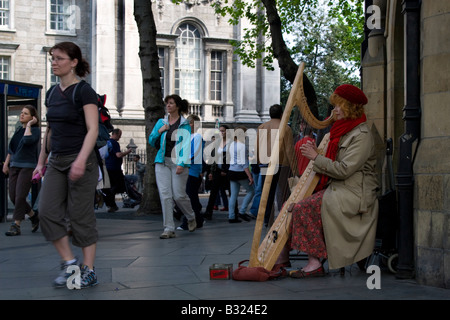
column 66, row 120
column 169, row 143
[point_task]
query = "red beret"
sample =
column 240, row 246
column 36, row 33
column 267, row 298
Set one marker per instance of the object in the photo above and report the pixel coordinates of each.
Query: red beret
column 351, row 93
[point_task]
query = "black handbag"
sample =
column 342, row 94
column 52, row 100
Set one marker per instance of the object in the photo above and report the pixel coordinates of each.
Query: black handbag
column 237, row 175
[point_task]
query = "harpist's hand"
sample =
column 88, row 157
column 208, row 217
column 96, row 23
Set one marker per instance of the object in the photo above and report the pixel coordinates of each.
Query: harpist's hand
column 309, row 150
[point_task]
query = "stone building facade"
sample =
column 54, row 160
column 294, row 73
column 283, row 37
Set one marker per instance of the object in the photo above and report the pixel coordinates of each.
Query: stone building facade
column 219, row 87
column 405, row 72
column 196, row 59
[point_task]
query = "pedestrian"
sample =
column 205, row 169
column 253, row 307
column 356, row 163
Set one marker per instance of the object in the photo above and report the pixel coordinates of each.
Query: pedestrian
column 338, row 221
column 218, row 173
column 222, row 198
column 19, row 164
column 257, row 185
column 113, row 164
column 72, row 170
column 195, row 173
column 265, row 147
column 140, row 170
column 240, row 176
column 171, row 135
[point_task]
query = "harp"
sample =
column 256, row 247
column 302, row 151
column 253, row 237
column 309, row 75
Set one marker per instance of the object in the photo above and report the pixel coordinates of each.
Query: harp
column 265, row 253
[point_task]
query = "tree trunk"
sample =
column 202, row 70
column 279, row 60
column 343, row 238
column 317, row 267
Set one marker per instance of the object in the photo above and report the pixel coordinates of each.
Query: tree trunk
column 152, row 98
column 282, row 54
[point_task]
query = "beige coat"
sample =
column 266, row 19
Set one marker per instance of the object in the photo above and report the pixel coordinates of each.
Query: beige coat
column 350, row 205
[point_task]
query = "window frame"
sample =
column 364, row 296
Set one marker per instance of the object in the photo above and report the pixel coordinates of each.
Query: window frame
column 10, row 25
column 10, row 71
column 74, row 15
column 192, row 66
column 214, row 91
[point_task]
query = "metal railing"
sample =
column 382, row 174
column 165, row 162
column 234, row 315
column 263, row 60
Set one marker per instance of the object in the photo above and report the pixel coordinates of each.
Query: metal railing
column 129, row 165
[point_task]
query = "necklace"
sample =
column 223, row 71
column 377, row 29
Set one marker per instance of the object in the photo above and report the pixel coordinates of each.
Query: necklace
column 65, row 87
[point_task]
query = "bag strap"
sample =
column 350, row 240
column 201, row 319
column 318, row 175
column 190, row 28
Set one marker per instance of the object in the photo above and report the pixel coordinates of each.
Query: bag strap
column 77, row 93
column 243, row 261
column 50, row 93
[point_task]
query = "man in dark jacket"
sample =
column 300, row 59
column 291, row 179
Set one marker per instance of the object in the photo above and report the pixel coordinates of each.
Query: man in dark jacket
column 114, row 166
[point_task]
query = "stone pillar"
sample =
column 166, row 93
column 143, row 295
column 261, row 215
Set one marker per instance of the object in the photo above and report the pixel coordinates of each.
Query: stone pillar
column 228, row 111
column 431, row 167
column 131, row 83
column 374, row 70
column 207, row 107
column 374, row 79
column 171, row 88
column 103, row 51
column 207, row 77
column 270, row 93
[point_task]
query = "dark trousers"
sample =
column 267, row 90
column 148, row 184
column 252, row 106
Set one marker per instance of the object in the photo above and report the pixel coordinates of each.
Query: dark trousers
column 218, row 182
column 271, row 197
column 279, row 191
column 62, row 199
column 192, row 187
column 19, row 186
column 117, row 181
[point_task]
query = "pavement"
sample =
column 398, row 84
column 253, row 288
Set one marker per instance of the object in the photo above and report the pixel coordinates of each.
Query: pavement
column 132, row 263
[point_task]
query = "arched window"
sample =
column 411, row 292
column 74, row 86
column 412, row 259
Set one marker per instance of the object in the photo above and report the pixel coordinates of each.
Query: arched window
column 187, row 62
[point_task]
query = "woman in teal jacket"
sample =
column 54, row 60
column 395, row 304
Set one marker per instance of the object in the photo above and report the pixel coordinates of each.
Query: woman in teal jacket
column 172, row 137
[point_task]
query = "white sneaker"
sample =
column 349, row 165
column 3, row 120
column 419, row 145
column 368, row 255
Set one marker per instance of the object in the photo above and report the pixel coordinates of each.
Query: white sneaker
column 61, row 280
column 167, row 235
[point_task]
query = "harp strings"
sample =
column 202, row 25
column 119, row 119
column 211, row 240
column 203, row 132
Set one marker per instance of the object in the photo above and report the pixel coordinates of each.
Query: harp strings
column 294, row 162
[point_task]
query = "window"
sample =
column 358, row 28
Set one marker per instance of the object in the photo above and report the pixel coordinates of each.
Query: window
column 53, row 79
column 161, row 67
column 4, row 13
column 187, row 62
column 216, row 75
column 62, row 16
column 5, row 68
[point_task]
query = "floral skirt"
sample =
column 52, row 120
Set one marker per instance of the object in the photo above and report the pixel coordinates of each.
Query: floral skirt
column 306, row 227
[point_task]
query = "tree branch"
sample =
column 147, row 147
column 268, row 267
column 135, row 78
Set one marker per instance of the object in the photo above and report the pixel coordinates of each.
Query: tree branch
column 282, row 54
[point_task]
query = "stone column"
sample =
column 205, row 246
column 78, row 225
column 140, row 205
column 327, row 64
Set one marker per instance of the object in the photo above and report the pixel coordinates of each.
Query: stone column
column 247, row 95
column 171, row 66
column 103, row 51
column 207, row 107
column 431, row 167
column 131, row 83
column 228, row 112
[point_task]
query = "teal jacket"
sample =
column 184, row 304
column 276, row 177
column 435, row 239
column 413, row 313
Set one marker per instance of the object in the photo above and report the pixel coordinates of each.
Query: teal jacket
column 182, row 146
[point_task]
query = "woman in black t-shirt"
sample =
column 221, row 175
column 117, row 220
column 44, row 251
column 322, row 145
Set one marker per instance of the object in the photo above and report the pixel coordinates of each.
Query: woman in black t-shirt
column 72, row 170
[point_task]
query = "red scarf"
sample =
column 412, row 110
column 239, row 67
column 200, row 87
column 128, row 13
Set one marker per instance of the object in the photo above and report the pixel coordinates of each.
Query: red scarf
column 338, row 129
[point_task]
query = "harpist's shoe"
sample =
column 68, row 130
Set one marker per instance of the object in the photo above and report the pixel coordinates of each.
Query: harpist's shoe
column 319, row 272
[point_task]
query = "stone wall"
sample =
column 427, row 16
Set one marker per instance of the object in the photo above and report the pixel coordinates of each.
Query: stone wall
column 384, row 82
column 432, row 167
